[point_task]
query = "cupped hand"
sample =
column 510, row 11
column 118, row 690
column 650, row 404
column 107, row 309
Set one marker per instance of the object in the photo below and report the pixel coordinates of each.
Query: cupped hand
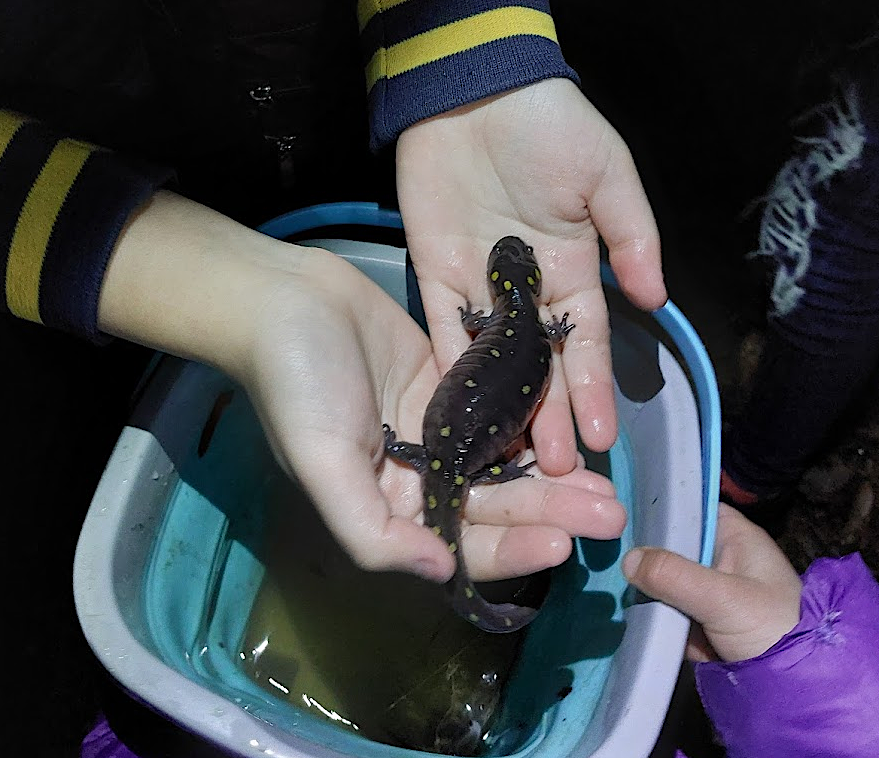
column 540, row 163
column 743, row 605
column 333, row 357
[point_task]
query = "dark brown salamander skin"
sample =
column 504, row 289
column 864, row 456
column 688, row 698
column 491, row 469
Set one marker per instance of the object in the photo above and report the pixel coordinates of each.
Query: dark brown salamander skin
column 480, row 408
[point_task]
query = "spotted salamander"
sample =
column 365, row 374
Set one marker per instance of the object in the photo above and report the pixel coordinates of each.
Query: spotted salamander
column 481, row 407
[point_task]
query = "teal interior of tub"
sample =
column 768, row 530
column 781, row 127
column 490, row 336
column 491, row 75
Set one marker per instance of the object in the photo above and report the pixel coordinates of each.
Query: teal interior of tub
column 206, row 568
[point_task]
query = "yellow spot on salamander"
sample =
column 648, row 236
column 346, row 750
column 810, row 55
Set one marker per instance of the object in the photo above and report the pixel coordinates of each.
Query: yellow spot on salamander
column 437, row 530
column 513, row 314
column 496, row 353
column 455, row 502
column 509, row 332
column 453, row 546
column 436, row 464
column 508, row 285
column 508, row 622
column 431, row 501
column 495, row 470
column 537, row 274
column 445, row 431
column 473, row 617
column 495, row 275
column 459, row 480
column 526, row 389
column 469, row 383
column 492, row 429
column 530, row 280
column 468, row 591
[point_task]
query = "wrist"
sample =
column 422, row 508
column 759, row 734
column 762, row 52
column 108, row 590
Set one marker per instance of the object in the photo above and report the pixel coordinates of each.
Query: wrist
column 455, row 55
column 189, row 281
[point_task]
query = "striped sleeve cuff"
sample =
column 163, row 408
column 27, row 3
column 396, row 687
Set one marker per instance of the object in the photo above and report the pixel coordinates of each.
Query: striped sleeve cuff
column 63, row 205
column 425, row 57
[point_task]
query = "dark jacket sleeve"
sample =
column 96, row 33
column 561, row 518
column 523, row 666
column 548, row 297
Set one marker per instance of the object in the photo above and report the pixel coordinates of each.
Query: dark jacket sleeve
column 815, row 692
column 425, row 57
column 64, row 203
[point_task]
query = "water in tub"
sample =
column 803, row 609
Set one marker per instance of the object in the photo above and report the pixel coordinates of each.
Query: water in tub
column 379, row 654
column 246, row 593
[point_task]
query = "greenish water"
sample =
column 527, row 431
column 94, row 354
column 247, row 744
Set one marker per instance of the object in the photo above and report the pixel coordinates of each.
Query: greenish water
column 247, row 594
column 377, row 654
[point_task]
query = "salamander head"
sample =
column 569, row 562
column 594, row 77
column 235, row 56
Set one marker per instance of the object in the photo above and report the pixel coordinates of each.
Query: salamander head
column 512, row 264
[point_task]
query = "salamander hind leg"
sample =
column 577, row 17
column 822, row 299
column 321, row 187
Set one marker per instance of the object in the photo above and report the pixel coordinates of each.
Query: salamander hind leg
column 405, row 452
column 556, row 330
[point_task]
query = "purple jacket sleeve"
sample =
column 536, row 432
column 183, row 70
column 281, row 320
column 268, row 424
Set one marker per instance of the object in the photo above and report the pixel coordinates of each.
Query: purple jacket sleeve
column 102, row 742
column 816, row 691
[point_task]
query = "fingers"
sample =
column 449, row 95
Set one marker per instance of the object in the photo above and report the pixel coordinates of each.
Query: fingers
column 592, row 399
column 745, row 604
column 493, row 552
column 351, row 503
column 587, row 372
column 552, row 431
column 638, row 269
column 582, row 503
column 621, row 213
column 510, row 529
column 705, row 595
column 520, row 527
column 724, row 604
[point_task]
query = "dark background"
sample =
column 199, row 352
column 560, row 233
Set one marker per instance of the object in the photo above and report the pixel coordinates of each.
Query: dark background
column 703, row 99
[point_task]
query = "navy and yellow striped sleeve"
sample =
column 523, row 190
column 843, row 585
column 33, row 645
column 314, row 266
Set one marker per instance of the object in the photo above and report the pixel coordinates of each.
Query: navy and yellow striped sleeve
column 63, row 203
column 425, row 57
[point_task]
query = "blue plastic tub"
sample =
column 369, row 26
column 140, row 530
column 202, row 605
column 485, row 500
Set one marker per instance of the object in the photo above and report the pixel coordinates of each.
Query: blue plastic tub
column 166, row 573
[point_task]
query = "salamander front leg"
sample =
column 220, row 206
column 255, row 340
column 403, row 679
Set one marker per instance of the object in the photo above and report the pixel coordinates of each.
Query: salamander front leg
column 405, row 452
column 502, row 472
column 473, row 321
column 556, row 330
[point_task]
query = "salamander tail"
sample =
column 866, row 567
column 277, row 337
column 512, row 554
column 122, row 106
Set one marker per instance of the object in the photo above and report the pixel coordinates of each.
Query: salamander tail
column 498, row 618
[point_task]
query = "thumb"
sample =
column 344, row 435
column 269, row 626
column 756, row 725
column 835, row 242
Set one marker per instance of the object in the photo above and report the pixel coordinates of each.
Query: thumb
column 706, row 595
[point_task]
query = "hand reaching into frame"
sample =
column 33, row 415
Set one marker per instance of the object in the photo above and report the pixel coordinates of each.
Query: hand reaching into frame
column 742, row 606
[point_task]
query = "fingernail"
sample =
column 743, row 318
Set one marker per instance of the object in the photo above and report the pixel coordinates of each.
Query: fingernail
column 631, row 562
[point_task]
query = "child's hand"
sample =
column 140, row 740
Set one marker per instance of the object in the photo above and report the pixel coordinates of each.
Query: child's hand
column 745, row 604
